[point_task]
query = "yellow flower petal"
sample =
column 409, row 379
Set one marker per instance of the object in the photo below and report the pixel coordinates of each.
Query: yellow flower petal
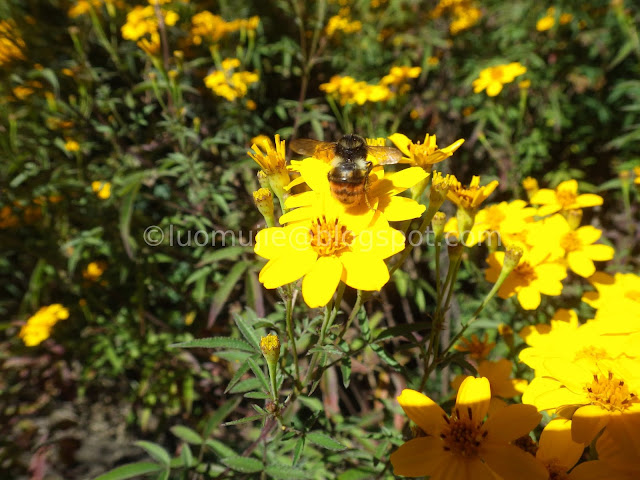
column 544, row 196
column 587, row 421
column 588, row 234
column 589, row 200
column 529, row 298
column 473, row 398
column 599, row 252
column 398, row 182
column 364, row 272
column 397, row 209
column 288, row 268
column 319, row 285
column 511, row 422
column 557, row 446
column 419, row 457
column 401, row 142
column 508, row 461
column 426, row 413
column 581, row 264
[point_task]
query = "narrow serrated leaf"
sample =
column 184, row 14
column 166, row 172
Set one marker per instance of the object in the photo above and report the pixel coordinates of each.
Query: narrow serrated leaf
column 247, row 385
column 255, row 368
column 242, row 369
column 216, row 342
column 223, row 411
column 155, row 451
column 286, row 472
column 219, row 448
column 253, row 418
column 345, row 369
column 243, row 464
column 186, row 434
column 131, row 470
column 247, row 330
column 297, row 452
column 325, row 441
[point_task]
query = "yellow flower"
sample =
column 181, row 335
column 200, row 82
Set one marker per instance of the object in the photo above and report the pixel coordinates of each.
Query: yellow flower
column 531, row 277
column 72, row 146
column 616, row 297
column 342, row 24
column 564, row 197
column 142, row 21
column 94, row 270
column 499, row 375
column 545, row 23
column 576, row 245
column 493, row 78
column 101, row 189
column 557, row 451
column 465, row 446
column 228, row 83
column 11, row 43
column 617, row 449
column 382, row 191
column 273, row 164
column 328, row 247
column 347, row 90
column 590, row 393
column 470, row 198
column 477, row 349
column 423, row 154
column 151, row 45
column 38, row 327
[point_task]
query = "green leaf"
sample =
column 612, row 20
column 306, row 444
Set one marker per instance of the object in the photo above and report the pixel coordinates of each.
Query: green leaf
column 258, row 395
column 297, row 453
column 247, row 330
column 325, row 441
column 242, row 369
column 216, row 342
column 186, row 456
column 186, row 434
column 131, row 470
column 224, row 290
column 345, row 369
column 248, row 385
column 286, row 472
column 220, row 449
column 243, row 464
column 155, row 451
column 223, row 411
column 362, row 473
column 255, row 368
column 250, row 419
column 126, row 211
column 312, row 403
column 227, row 253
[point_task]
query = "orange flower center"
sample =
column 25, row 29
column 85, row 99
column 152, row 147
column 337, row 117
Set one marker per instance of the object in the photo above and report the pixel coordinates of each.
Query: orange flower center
column 526, row 271
column 570, row 242
column 329, row 238
column 610, row 393
column 497, row 74
column 566, row 198
column 557, row 472
column 463, row 436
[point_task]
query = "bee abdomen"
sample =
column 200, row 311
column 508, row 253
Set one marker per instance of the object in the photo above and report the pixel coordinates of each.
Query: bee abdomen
column 347, row 193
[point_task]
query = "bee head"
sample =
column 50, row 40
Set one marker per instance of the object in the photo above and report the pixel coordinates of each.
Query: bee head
column 351, row 148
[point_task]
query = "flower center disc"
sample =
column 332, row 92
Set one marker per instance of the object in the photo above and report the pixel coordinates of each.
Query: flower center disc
column 570, row 242
column 462, row 437
column 610, row 393
column 526, row 271
column 329, row 238
column 566, row 198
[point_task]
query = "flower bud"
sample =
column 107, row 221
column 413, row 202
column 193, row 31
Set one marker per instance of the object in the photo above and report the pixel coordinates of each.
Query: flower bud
column 574, row 218
column 437, row 223
column 264, row 201
column 530, row 185
column 270, row 346
column 512, row 258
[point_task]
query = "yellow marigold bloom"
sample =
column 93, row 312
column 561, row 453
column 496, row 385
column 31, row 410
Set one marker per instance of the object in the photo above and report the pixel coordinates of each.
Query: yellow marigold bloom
column 11, row 43
column 615, row 297
column 348, row 90
column 94, row 270
column 557, row 451
column 471, row 197
column 230, row 84
column 590, row 393
column 617, row 449
column 273, row 163
column 339, row 23
column 142, row 21
column 577, row 246
column 382, row 192
column 636, row 172
column 82, row 7
column 327, row 247
column 399, row 75
column 101, row 189
column 499, row 375
column 38, row 327
column 564, row 197
column 425, row 154
column 477, row 349
column 545, row 23
column 464, row 18
column 531, row 277
column 465, row 445
column 151, row 45
column 492, row 79
column 72, row 146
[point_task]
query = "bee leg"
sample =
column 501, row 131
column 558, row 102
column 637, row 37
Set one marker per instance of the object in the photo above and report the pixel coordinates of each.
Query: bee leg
column 366, row 183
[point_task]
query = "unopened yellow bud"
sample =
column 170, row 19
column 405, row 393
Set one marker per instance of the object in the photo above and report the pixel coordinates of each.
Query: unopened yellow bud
column 466, row 218
column 574, row 218
column 270, row 346
column 437, row 223
column 439, row 187
column 512, row 258
column 530, row 184
column 263, row 179
column 264, row 201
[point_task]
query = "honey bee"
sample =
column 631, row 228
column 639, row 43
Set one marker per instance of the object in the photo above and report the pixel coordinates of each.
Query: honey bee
column 350, row 169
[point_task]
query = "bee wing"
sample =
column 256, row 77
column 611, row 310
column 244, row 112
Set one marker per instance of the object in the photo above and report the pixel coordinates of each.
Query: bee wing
column 385, row 155
column 305, row 146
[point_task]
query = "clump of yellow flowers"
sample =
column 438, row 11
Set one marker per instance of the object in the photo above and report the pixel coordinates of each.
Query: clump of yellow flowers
column 38, row 327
